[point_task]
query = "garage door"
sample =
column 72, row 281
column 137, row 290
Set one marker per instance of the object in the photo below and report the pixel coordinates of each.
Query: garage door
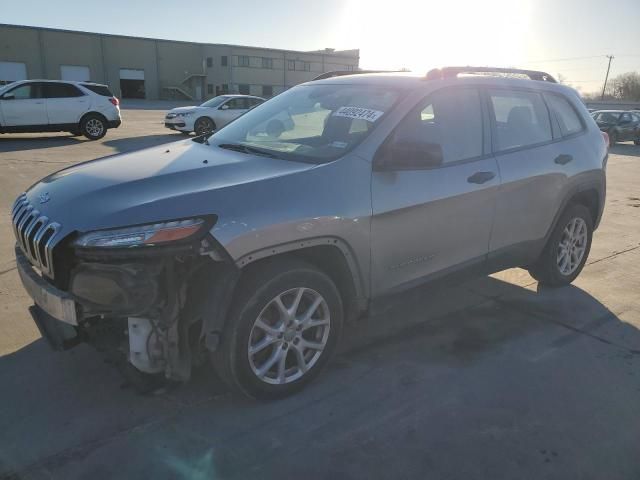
column 12, row 71
column 131, row 74
column 76, row 73
column 132, row 83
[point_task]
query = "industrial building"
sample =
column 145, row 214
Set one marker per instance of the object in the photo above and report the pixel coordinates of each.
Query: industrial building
column 136, row 67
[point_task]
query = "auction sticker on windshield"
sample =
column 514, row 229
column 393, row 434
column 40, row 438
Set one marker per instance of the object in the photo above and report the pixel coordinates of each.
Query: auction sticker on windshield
column 357, row 112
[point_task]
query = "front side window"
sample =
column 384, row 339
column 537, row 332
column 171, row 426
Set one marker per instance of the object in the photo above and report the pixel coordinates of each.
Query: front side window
column 566, row 115
column 310, row 123
column 449, row 121
column 625, row 118
column 24, row 92
column 237, row 104
column 61, row 90
column 521, row 119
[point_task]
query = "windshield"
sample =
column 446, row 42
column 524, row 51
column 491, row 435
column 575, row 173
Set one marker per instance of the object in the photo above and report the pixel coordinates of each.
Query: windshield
column 312, row 123
column 214, row 102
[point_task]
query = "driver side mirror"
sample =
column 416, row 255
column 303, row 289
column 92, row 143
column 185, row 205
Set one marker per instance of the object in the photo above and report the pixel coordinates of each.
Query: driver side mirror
column 405, row 155
column 8, row 96
column 224, row 107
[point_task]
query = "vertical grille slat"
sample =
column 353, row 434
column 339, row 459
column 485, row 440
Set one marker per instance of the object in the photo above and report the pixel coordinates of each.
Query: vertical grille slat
column 35, row 234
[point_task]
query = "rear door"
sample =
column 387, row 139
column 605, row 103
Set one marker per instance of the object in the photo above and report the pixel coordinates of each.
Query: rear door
column 533, row 168
column 24, row 106
column 66, row 103
column 626, row 127
column 433, row 218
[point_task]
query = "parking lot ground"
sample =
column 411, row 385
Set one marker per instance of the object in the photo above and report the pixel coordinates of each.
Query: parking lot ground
column 494, row 378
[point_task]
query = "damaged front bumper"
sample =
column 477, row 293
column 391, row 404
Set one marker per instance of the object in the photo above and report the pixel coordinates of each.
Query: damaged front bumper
column 161, row 309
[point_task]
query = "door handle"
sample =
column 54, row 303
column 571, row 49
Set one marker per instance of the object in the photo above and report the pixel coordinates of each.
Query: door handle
column 563, row 159
column 39, row 103
column 481, row 177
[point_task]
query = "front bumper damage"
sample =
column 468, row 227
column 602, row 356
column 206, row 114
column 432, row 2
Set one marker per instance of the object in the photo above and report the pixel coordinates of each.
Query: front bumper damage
column 160, row 310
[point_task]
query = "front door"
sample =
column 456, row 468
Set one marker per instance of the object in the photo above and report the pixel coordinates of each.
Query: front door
column 433, row 218
column 24, row 105
column 230, row 110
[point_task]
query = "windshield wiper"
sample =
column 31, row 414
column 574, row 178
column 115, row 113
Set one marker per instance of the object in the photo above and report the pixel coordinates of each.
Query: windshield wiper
column 237, row 147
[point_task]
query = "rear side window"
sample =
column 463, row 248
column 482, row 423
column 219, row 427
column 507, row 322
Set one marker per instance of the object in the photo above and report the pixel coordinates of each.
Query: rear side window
column 565, row 114
column 450, row 119
column 61, row 90
column 99, row 89
column 521, row 119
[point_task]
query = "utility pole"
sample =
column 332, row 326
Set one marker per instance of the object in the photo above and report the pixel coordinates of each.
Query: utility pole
column 610, row 57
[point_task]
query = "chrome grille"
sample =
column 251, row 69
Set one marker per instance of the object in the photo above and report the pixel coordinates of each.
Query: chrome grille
column 35, row 234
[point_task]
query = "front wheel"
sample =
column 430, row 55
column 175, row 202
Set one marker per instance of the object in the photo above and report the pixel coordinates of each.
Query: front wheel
column 566, row 252
column 283, row 328
column 93, row 127
column 204, row 126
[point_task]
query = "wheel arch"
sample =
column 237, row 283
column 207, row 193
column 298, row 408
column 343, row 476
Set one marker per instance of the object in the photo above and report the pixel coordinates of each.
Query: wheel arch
column 207, row 117
column 93, row 112
column 330, row 255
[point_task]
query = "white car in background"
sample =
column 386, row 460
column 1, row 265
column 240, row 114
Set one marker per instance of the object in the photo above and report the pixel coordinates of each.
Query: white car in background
column 211, row 115
column 80, row 108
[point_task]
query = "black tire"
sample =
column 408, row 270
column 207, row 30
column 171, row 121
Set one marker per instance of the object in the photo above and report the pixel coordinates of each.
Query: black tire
column 204, row 126
column 613, row 138
column 546, row 269
column 93, row 126
column 185, row 133
column 254, row 297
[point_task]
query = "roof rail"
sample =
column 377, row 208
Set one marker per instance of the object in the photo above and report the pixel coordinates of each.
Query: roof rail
column 340, row 73
column 452, row 72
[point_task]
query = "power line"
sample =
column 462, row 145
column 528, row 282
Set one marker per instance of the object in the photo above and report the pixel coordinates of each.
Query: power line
column 567, row 59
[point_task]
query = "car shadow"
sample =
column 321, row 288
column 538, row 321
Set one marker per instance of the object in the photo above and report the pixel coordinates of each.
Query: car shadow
column 626, row 148
column 10, row 143
column 122, row 145
column 487, row 351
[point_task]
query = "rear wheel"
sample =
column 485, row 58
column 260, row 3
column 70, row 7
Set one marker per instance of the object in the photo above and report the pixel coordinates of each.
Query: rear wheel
column 282, row 330
column 566, row 252
column 204, row 126
column 93, row 126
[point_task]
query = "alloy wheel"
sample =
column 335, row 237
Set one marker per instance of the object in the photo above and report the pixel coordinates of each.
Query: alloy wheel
column 572, row 246
column 289, row 336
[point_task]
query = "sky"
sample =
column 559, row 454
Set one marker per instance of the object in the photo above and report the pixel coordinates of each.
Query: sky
column 566, row 38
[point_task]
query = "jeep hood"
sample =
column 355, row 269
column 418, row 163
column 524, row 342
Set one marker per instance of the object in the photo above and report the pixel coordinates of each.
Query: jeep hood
column 175, row 180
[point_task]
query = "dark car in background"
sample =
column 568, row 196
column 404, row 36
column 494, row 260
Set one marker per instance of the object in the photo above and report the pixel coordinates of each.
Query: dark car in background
column 619, row 124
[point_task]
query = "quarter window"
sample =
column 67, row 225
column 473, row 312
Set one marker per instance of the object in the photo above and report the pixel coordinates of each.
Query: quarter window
column 565, row 114
column 450, row 120
column 521, row 119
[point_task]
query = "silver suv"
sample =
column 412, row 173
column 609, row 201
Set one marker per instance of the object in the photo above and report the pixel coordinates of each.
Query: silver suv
column 251, row 248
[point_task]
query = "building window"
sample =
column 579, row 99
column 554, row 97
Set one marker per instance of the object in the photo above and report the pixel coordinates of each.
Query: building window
column 243, row 61
column 306, row 66
column 209, row 62
column 223, row 60
column 267, row 90
column 225, row 88
column 243, row 88
column 209, row 87
column 350, row 68
column 291, row 64
column 267, row 62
